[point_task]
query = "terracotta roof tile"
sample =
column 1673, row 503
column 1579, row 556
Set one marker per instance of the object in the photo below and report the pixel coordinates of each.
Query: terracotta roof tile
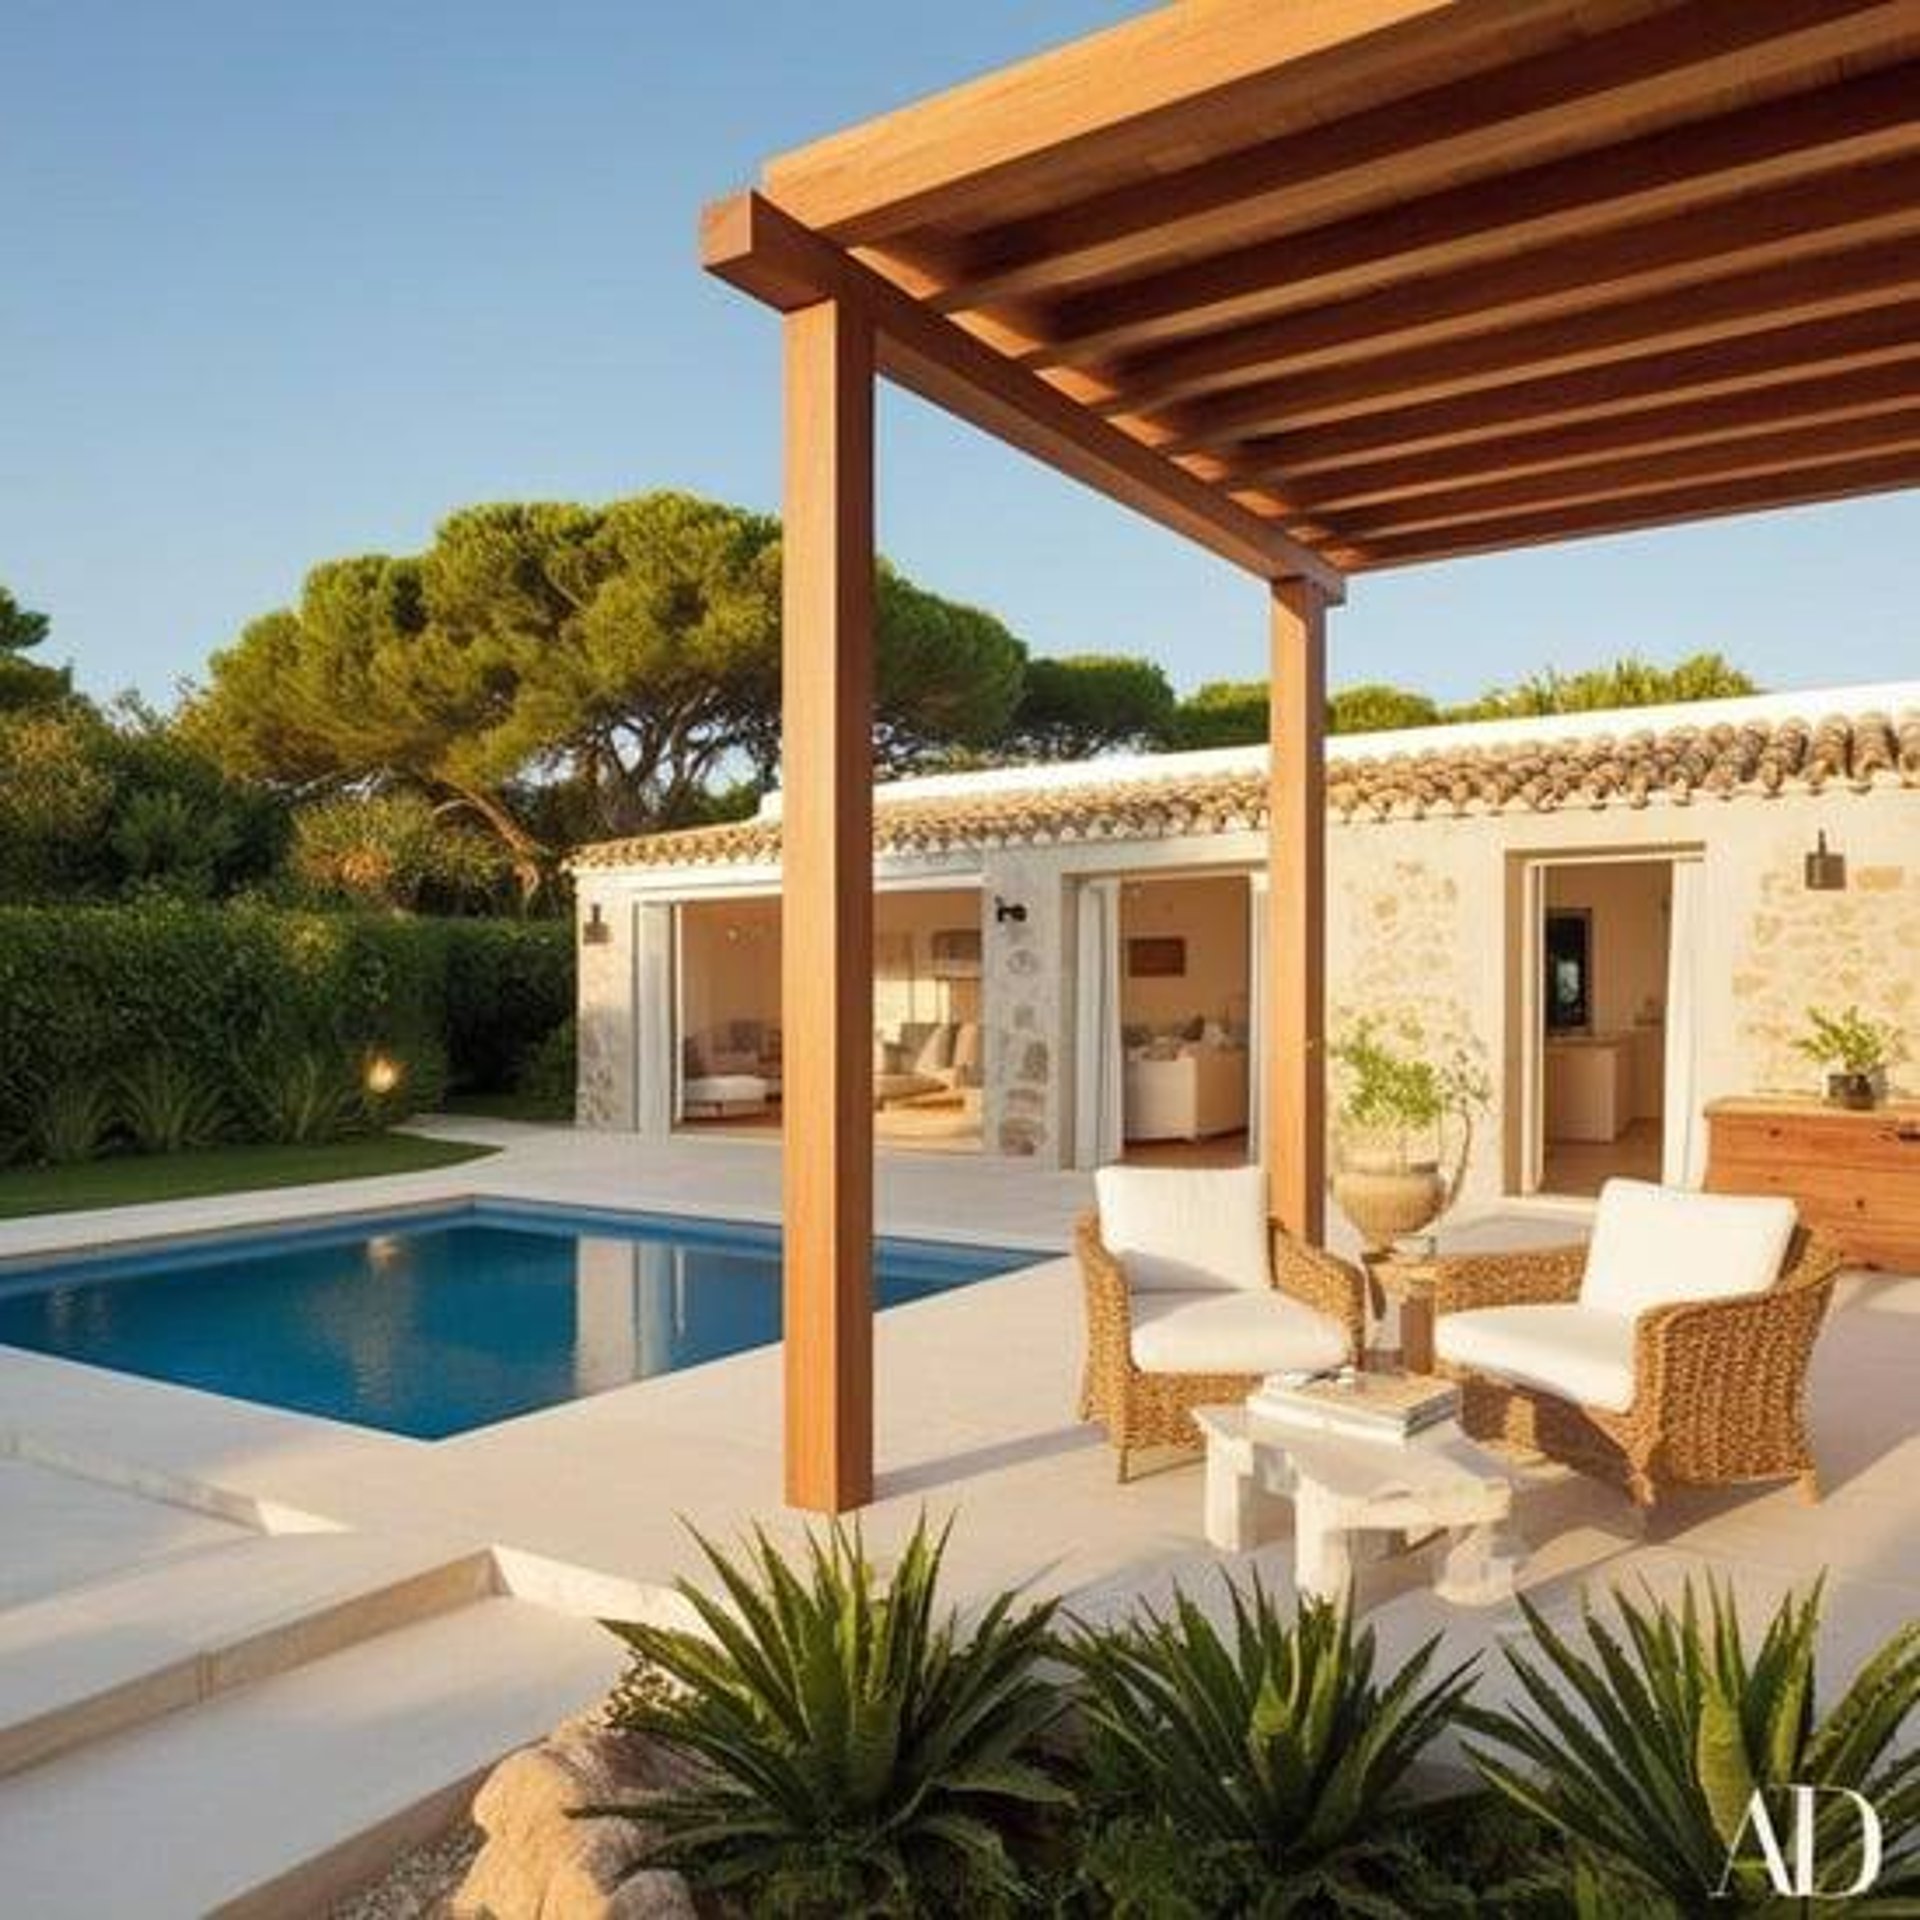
column 1631, row 769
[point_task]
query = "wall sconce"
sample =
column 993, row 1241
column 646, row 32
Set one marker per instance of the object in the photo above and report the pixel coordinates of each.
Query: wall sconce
column 596, row 932
column 1005, row 911
column 1826, row 871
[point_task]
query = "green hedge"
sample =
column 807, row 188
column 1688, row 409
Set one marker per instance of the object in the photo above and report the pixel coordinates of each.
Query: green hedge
column 85, row 992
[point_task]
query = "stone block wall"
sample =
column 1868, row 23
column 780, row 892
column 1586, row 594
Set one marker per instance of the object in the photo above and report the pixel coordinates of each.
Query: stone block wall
column 1024, row 965
column 604, row 1092
column 1796, row 949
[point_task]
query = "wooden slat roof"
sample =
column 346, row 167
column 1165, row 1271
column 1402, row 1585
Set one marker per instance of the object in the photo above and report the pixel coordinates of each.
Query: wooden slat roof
column 1369, row 282
column 1721, row 759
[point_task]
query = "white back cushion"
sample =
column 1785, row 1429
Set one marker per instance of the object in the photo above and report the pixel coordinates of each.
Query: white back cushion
column 1654, row 1245
column 1186, row 1230
column 936, row 1051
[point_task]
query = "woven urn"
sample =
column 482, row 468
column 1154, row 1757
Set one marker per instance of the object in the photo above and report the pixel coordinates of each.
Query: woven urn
column 1386, row 1196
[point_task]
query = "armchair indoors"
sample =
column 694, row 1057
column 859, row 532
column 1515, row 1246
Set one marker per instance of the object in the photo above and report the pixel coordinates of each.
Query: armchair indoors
column 1670, row 1351
column 1193, row 1295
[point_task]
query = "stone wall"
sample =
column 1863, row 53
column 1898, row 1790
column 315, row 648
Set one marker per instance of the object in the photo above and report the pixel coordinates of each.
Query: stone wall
column 1797, row 949
column 1024, row 967
column 1403, row 940
column 1424, row 923
column 604, row 1092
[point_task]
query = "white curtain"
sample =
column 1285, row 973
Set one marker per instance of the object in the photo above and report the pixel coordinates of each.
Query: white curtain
column 1683, row 1156
column 1256, row 1017
column 657, row 1096
column 1533, row 1023
column 1098, row 1056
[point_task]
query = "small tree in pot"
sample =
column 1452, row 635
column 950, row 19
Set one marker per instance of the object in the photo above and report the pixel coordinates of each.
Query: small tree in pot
column 1856, row 1050
column 1396, row 1103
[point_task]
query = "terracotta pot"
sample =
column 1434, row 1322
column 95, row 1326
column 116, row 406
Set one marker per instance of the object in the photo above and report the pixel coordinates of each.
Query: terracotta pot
column 1386, row 1198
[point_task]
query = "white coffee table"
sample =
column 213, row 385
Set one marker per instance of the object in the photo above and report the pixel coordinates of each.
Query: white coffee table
column 1344, row 1489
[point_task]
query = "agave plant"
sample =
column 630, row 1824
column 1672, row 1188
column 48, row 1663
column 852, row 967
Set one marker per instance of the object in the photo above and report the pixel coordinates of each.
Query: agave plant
column 1270, row 1756
column 1647, row 1751
column 70, row 1122
column 168, row 1106
column 856, row 1743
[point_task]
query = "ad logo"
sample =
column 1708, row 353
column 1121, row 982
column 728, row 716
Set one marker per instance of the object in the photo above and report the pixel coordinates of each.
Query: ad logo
column 1794, row 1870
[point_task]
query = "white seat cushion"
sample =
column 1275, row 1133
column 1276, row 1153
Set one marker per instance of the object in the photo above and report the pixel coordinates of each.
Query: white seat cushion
column 1654, row 1245
column 724, row 1089
column 1583, row 1354
column 1231, row 1333
column 1191, row 1230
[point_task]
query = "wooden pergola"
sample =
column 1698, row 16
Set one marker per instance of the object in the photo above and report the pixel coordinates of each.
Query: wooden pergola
column 1326, row 286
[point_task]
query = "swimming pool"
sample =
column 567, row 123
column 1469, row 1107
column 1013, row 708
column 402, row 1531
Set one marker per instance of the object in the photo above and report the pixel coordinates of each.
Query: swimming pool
column 431, row 1325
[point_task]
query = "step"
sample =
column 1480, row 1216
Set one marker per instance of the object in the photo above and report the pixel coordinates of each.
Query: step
column 62, row 1530
column 275, row 1799
column 152, row 1638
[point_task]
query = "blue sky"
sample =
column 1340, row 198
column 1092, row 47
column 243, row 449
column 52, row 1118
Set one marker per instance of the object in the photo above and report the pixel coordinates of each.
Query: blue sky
column 288, row 281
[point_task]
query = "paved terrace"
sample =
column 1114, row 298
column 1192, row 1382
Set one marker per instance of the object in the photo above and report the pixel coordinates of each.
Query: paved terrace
column 380, row 1617
column 975, row 1412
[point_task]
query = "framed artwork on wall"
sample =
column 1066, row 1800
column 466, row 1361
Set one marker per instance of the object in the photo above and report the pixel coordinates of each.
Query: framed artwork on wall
column 1157, row 957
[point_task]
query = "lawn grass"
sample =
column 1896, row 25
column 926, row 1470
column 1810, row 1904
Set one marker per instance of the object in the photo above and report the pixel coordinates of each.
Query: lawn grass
column 131, row 1179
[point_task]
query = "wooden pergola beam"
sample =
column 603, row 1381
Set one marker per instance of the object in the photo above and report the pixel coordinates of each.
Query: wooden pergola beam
column 1776, row 145
column 1748, row 364
column 1515, row 115
column 1797, row 292
column 755, row 246
column 1842, row 480
column 1214, row 75
column 1603, row 291
column 1651, row 430
column 1788, row 451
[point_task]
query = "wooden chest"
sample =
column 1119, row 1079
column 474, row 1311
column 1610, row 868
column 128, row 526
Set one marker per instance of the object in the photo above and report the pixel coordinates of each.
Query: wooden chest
column 1855, row 1175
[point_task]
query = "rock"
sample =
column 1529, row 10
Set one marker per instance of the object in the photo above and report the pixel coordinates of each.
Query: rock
column 538, row 1862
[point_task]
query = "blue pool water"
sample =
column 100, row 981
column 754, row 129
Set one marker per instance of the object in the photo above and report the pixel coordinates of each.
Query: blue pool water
column 430, row 1326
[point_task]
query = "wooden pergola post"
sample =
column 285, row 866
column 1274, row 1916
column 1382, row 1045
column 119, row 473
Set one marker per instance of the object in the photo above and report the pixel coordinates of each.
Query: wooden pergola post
column 1295, row 1066
column 827, row 906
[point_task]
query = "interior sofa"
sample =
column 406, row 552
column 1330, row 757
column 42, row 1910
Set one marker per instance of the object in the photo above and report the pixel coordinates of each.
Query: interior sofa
column 926, row 1060
column 731, row 1069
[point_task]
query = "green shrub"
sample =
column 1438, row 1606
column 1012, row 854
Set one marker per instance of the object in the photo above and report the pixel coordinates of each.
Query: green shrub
column 858, row 1745
column 71, row 1120
column 509, row 985
column 167, row 1105
column 1221, row 1767
column 396, row 851
column 1646, row 1752
column 548, row 1071
column 84, row 991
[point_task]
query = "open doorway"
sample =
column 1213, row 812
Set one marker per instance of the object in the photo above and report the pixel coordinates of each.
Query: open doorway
column 1185, row 1004
column 1601, row 1018
column 928, row 1050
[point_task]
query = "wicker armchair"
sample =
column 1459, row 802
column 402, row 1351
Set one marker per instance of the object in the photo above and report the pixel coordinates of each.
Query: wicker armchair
column 1719, row 1384
column 1142, row 1409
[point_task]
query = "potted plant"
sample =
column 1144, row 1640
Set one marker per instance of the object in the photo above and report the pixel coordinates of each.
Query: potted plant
column 1395, row 1103
column 1855, row 1050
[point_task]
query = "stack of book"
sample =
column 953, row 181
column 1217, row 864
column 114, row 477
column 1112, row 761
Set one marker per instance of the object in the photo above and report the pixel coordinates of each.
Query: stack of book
column 1360, row 1406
